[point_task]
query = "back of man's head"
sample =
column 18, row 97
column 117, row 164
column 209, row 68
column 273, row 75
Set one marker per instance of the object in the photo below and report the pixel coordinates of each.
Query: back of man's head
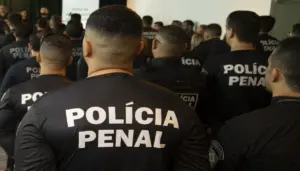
column 113, row 36
column 14, row 19
column 74, row 30
column 148, row 21
column 22, row 32
column 296, row 30
column 42, row 24
column 177, row 23
column 55, row 52
column 76, row 17
column 285, row 60
column 189, row 23
column 170, row 40
column 55, row 20
column 245, row 25
column 266, row 23
column 213, row 31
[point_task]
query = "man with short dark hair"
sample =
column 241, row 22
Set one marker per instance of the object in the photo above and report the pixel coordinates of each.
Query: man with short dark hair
column 14, row 20
column 76, row 17
column 74, row 31
column 158, row 25
column 16, row 51
column 55, row 55
column 237, row 78
column 119, row 116
column 268, row 42
column 42, row 24
column 296, row 30
column 267, row 139
column 212, row 44
column 188, row 27
column 148, row 34
column 170, row 68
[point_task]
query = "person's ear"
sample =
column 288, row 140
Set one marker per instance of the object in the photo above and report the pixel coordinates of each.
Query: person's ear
column 140, row 47
column 275, row 75
column 29, row 46
column 38, row 58
column 230, row 33
column 154, row 44
column 87, row 48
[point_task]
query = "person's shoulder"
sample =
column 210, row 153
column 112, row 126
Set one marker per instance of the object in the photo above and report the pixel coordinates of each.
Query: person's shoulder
column 251, row 122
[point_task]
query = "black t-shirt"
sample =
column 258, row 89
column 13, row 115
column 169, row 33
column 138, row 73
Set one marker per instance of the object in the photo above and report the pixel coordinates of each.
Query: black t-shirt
column 237, row 83
column 266, row 139
column 13, row 53
column 8, row 39
column 182, row 75
column 18, row 99
column 21, row 72
column 77, row 54
column 268, row 43
column 211, row 48
column 94, row 123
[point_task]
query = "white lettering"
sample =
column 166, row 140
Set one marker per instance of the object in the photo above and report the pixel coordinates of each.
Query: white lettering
column 90, row 115
column 144, row 138
column 72, row 115
column 103, row 137
column 84, row 137
column 171, row 119
column 139, row 113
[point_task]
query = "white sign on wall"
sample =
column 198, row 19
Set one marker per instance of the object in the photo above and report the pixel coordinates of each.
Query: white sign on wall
column 83, row 7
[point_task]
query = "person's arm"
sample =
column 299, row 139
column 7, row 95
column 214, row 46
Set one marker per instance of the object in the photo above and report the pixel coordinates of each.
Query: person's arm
column 8, row 123
column 193, row 153
column 32, row 153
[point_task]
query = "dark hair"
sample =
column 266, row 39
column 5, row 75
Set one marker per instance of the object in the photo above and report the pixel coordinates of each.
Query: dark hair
column 35, row 39
column 286, row 59
column 15, row 19
column 214, row 29
column 189, row 23
column 74, row 29
column 116, row 20
column 159, row 23
column 177, row 23
column 296, row 30
column 23, row 32
column 56, row 19
column 42, row 23
column 267, row 23
column 76, row 17
column 172, row 34
column 245, row 25
column 56, row 50
column 59, row 29
column 147, row 20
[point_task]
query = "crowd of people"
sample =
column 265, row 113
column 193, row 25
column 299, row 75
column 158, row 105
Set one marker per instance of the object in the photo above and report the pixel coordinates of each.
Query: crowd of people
column 128, row 93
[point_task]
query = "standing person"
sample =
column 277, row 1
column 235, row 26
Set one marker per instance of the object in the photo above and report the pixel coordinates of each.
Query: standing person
column 268, row 42
column 14, row 20
column 188, row 27
column 236, row 79
column 74, row 31
column 126, row 116
column 148, row 34
column 198, row 37
column 16, row 51
column 272, row 143
column 212, row 44
column 25, row 16
column 54, row 57
column 188, row 81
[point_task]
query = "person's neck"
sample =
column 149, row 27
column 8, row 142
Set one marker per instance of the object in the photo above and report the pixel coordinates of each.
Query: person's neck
column 237, row 46
column 108, row 71
column 45, row 71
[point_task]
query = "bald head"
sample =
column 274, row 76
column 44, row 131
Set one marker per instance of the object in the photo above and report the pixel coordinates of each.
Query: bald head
column 170, row 40
column 113, row 36
column 55, row 52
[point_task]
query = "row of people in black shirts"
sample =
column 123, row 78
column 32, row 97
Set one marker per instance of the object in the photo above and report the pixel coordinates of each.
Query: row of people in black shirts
column 70, row 128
